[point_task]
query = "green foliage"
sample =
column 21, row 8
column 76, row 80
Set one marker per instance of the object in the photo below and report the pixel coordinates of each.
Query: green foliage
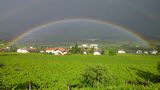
column 37, row 49
column 158, row 67
column 29, row 85
column 13, row 48
column 5, row 43
column 48, row 72
column 94, row 76
column 75, row 49
column 51, row 53
column 91, row 50
column 111, row 53
column 103, row 51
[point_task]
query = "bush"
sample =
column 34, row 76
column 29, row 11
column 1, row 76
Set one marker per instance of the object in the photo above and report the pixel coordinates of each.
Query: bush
column 94, row 76
column 75, row 49
column 103, row 51
column 111, row 53
column 158, row 67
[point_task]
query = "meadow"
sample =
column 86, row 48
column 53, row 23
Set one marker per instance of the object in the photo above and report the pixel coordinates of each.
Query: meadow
column 48, row 72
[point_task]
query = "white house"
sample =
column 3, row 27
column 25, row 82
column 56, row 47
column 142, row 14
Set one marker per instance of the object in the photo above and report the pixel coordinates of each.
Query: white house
column 22, row 51
column 96, row 53
column 146, row 52
column 1, row 44
column 121, row 51
column 7, row 47
column 95, row 46
column 31, row 47
column 57, row 51
column 42, row 51
column 84, row 45
column 139, row 52
column 154, row 52
column 65, row 53
column 84, row 52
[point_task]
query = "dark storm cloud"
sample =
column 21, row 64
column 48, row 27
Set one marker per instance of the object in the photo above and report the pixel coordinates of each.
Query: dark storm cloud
column 17, row 16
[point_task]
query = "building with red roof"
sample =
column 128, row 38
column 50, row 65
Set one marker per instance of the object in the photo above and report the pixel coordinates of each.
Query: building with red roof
column 57, row 51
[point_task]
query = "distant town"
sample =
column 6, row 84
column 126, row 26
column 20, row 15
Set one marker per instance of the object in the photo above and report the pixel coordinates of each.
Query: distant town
column 84, row 49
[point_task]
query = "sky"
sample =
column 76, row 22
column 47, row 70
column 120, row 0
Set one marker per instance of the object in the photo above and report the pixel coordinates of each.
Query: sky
column 77, row 30
column 140, row 16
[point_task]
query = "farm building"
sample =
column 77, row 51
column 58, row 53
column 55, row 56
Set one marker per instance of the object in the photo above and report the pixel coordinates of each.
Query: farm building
column 146, row 52
column 121, row 51
column 41, row 51
column 139, row 52
column 154, row 52
column 84, row 52
column 96, row 53
column 1, row 44
column 57, row 51
column 31, row 49
column 85, row 45
column 22, row 51
column 95, row 46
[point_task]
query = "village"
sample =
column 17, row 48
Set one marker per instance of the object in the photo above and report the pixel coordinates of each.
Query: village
column 83, row 49
column 94, row 49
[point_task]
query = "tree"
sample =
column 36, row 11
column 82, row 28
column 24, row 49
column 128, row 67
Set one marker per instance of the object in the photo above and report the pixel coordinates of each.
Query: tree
column 94, row 76
column 13, row 48
column 75, row 49
column 111, row 53
column 102, row 51
column 91, row 50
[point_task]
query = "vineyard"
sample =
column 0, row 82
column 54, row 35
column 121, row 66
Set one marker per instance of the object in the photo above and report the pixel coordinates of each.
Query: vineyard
column 48, row 72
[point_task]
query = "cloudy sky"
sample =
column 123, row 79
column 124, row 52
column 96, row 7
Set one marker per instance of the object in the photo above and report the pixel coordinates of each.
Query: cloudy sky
column 18, row 16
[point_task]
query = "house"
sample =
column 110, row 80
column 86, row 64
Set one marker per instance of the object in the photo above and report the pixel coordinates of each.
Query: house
column 32, row 50
column 154, row 52
column 96, row 53
column 121, row 51
column 42, row 51
column 8, row 47
column 95, row 46
column 146, row 52
column 1, row 44
column 84, row 52
column 57, row 51
column 139, row 52
column 84, row 46
column 22, row 51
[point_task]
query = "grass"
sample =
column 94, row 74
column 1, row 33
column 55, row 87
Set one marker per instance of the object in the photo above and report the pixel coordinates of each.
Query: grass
column 129, row 71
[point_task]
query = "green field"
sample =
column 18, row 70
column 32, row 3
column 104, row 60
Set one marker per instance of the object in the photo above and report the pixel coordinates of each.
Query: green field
column 48, row 72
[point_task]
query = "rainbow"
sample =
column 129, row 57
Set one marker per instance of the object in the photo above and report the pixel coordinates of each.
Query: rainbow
column 119, row 27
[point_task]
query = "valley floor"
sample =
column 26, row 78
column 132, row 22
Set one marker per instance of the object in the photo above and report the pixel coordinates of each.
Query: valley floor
column 43, row 71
